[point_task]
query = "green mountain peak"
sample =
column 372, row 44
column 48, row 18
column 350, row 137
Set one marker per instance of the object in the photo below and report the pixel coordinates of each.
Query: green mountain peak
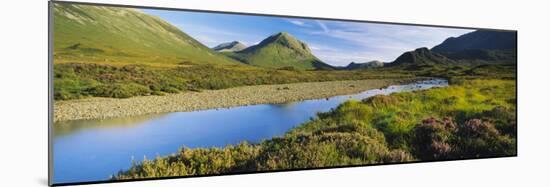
column 287, row 40
column 281, row 50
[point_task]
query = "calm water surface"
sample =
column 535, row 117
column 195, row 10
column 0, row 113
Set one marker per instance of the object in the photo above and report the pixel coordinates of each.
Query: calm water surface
column 92, row 150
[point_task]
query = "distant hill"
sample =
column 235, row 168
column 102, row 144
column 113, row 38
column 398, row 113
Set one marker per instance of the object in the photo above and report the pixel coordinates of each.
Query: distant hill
column 114, row 34
column 481, row 46
column 421, row 56
column 481, row 39
column 366, row 65
column 280, row 50
column 230, row 47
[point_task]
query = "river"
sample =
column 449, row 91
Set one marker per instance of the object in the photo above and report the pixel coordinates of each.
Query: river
column 92, row 150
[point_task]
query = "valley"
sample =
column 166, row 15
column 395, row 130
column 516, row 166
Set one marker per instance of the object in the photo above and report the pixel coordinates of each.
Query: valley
column 136, row 95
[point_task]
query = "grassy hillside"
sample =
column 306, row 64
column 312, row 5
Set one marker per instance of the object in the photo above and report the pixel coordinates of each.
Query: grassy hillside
column 469, row 119
column 114, row 35
column 421, row 57
column 482, row 46
column 279, row 51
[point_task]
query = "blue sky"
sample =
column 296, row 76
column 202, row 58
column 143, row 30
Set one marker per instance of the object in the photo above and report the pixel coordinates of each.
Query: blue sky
column 335, row 42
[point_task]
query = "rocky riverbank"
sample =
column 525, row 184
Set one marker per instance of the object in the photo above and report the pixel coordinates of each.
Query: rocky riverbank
column 101, row 108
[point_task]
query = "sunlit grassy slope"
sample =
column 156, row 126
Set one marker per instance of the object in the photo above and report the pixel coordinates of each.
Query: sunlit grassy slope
column 397, row 115
column 278, row 51
column 115, row 35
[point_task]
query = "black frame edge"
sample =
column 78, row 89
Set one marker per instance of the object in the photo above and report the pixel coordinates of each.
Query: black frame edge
column 275, row 15
column 50, row 92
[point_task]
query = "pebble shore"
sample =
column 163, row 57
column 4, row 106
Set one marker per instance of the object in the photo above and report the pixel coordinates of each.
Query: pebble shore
column 102, row 108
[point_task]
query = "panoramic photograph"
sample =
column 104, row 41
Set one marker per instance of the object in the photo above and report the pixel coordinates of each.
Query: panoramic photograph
column 141, row 93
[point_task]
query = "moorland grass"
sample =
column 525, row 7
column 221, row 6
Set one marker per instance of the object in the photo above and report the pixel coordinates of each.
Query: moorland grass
column 77, row 80
column 81, row 80
column 470, row 119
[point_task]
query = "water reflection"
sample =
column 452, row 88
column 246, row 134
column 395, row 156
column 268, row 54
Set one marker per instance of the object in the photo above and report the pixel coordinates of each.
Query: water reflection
column 70, row 127
column 92, row 150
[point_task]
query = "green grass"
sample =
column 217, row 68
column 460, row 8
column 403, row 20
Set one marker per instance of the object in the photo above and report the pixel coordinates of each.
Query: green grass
column 81, row 80
column 470, row 119
column 397, row 115
column 459, row 71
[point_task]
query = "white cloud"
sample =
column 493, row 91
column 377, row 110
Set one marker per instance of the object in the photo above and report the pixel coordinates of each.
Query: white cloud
column 383, row 42
column 211, row 36
column 296, row 22
column 342, row 57
column 323, row 26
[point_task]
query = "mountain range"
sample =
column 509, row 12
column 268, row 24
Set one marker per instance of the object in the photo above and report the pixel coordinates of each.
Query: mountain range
column 101, row 33
column 365, row 65
column 233, row 46
column 481, row 46
column 479, row 40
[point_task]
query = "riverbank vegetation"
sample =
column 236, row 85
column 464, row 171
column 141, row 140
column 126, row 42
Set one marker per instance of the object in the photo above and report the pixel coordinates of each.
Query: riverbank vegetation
column 472, row 118
column 81, row 80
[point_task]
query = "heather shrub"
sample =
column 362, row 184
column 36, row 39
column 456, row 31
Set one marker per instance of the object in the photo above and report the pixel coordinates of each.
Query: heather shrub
column 478, row 138
column 326, row 150
column 504, row 119
column 443, row 139
column 433, row 139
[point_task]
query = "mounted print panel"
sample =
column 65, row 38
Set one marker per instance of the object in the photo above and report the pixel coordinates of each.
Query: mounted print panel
column 144, row 93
